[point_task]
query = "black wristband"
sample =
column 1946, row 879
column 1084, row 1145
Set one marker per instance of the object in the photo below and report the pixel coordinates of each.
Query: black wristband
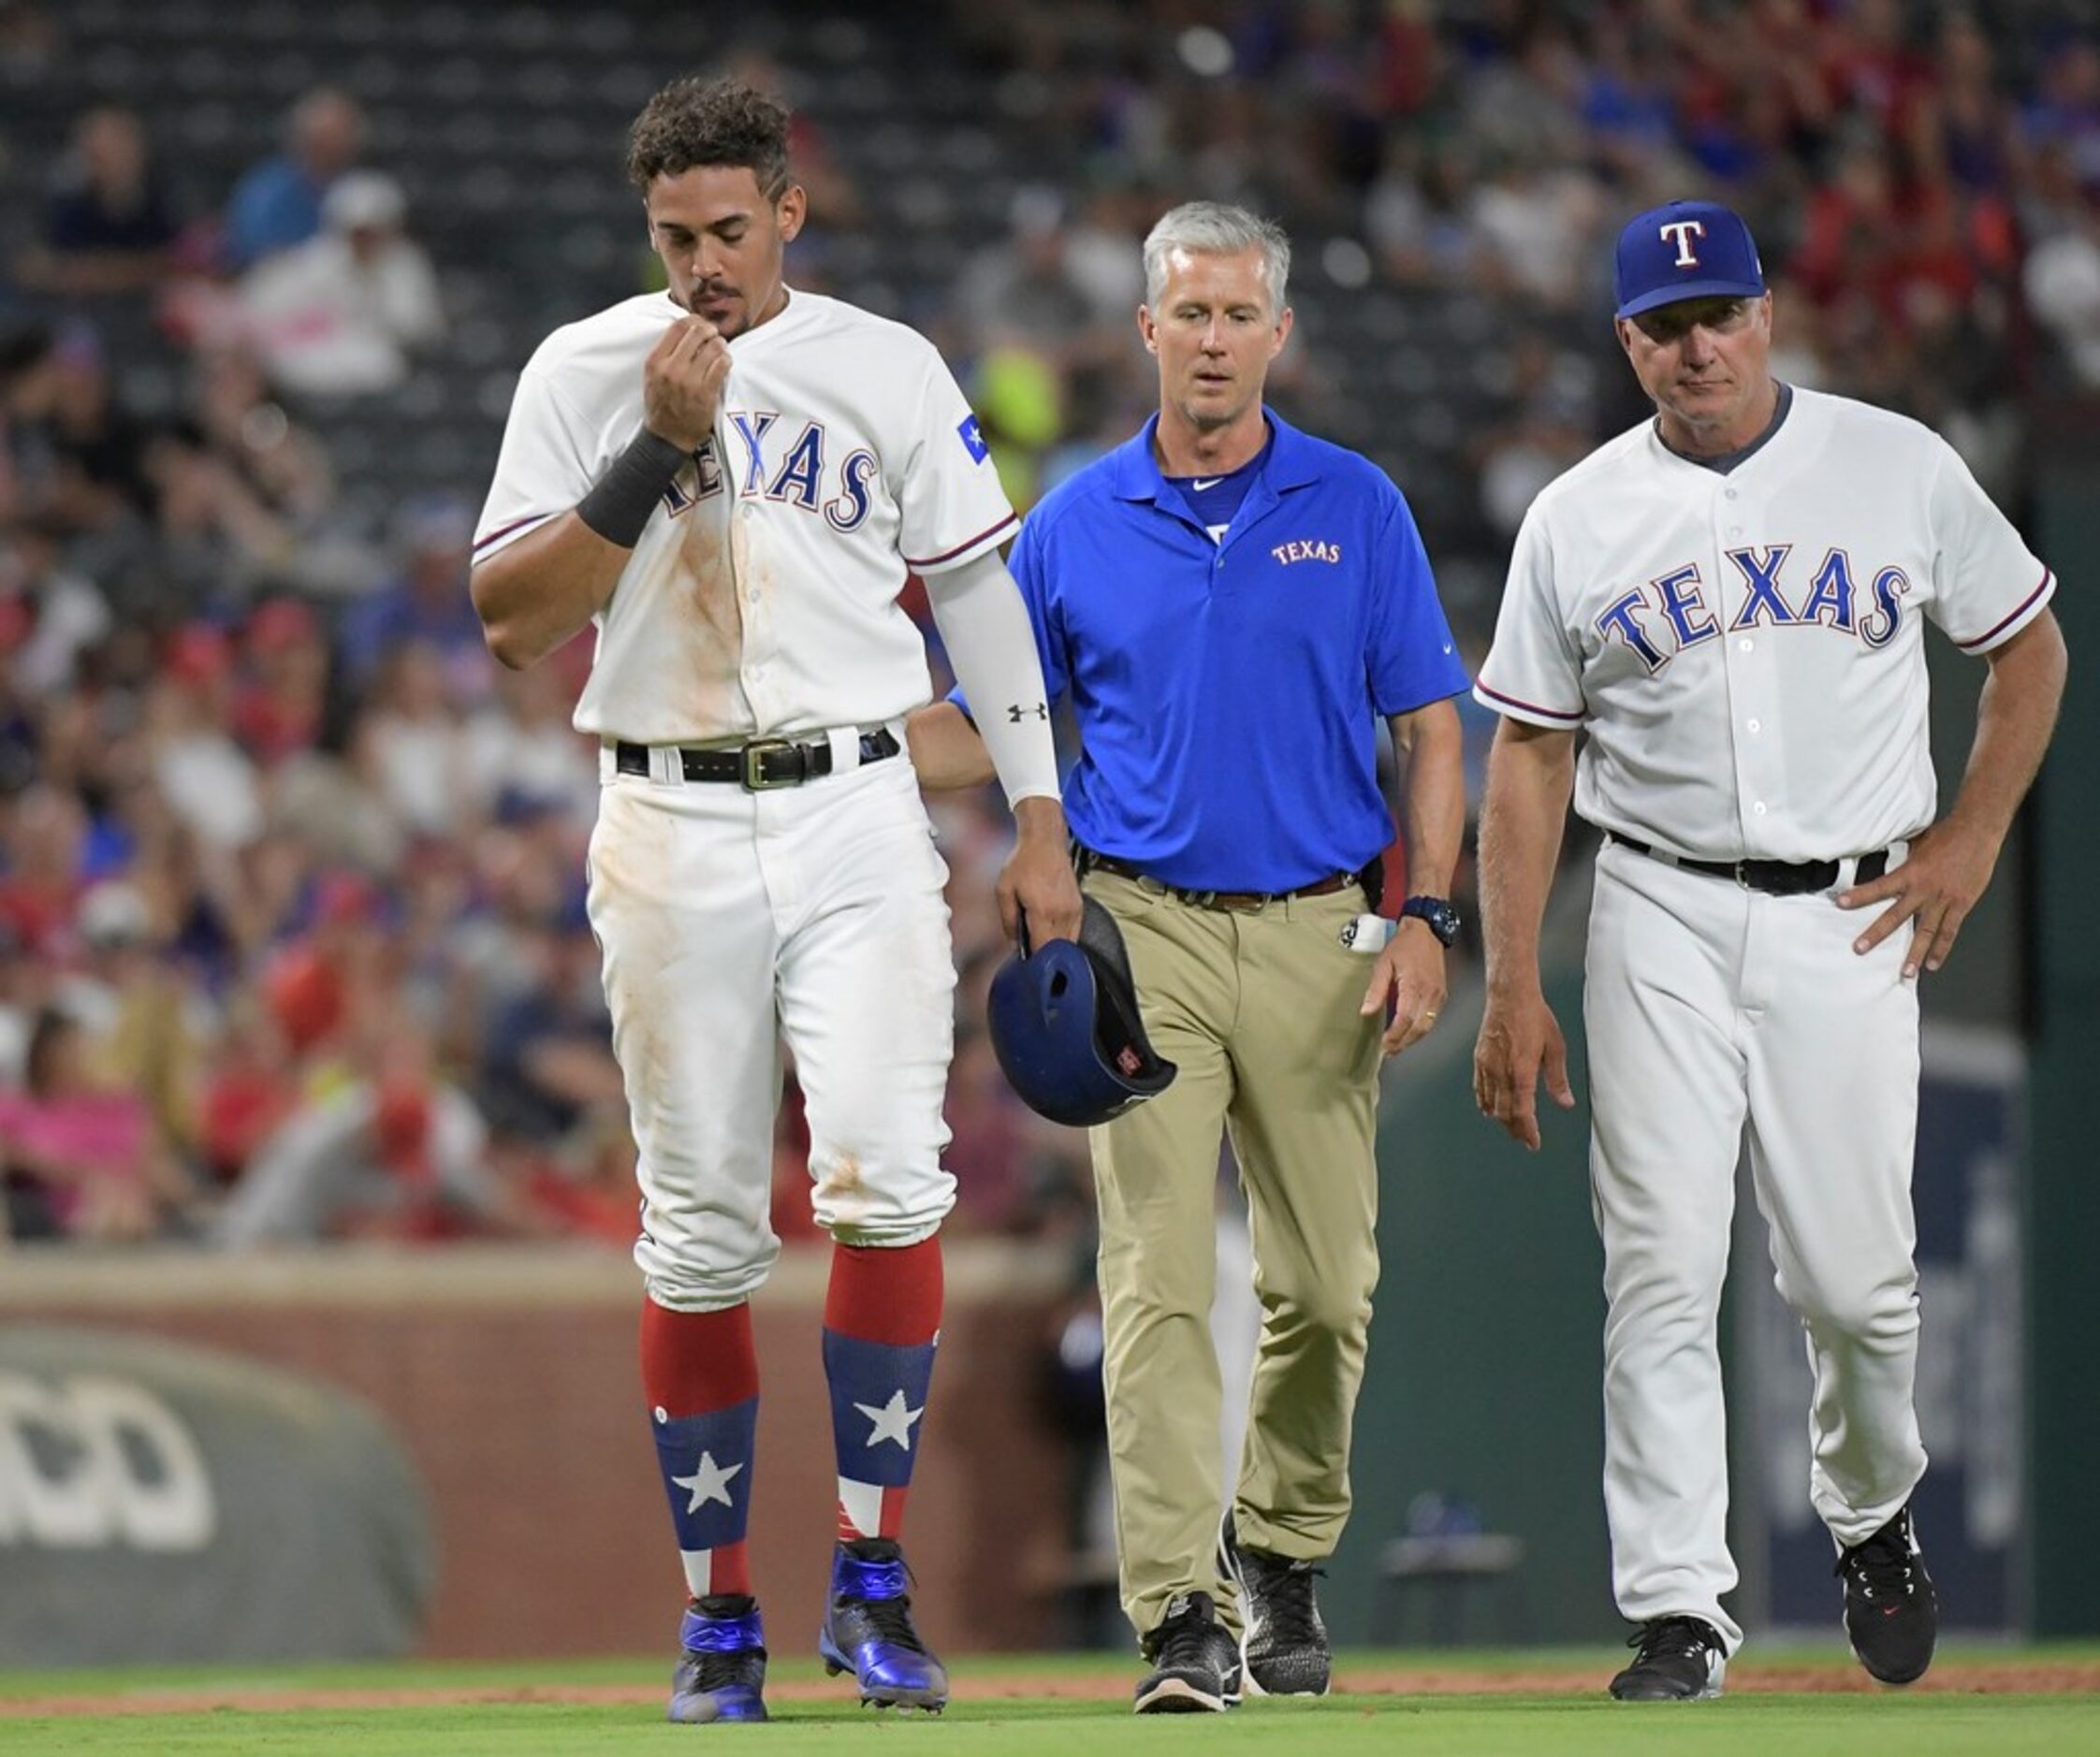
column 620, row 505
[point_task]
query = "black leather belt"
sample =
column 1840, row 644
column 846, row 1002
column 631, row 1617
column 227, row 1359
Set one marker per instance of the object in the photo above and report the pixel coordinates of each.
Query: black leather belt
column 761, row 765
column 1779, row 878
column 1238, row 902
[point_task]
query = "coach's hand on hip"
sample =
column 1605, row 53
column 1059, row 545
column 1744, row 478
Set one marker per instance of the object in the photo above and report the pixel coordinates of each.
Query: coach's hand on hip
column 1038, row 877
column 1409, row 978
column 1947, row 868
column 1520, row 1038
column 682, row 383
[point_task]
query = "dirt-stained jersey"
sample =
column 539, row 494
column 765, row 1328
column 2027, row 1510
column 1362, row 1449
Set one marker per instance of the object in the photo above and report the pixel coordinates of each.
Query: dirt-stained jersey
column 763, row 596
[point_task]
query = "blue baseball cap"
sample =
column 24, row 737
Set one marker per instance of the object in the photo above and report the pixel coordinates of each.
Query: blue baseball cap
column 1685, row 250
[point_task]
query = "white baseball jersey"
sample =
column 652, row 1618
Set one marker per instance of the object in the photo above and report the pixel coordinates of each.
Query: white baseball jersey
column 762, row 595
column 1746, row 651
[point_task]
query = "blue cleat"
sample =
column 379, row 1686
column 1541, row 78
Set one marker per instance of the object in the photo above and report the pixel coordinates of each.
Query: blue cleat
column 868, row 1631
column 722, row 1673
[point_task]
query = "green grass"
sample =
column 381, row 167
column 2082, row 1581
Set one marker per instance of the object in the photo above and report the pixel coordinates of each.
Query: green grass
column 1569, row 1726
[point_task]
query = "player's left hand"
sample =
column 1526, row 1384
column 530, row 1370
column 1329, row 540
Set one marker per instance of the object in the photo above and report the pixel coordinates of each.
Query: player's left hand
column 1948, row 868
column 1038, row 876
column 1409, row 978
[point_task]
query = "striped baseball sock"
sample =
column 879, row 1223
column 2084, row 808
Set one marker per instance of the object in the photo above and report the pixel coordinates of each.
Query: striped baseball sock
column 700, row 1371
column 882, row 1321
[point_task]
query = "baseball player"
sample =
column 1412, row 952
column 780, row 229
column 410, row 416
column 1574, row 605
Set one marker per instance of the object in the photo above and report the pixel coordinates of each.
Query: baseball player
column 1728, row 600
column 1233, row 608
column 728, row 482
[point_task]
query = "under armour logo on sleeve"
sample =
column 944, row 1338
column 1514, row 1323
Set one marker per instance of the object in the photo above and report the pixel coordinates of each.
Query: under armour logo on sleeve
column 1017, row 713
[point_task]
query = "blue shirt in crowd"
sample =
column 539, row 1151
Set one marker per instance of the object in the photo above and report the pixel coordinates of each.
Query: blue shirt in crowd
column 1229, row 691
column 275, row 206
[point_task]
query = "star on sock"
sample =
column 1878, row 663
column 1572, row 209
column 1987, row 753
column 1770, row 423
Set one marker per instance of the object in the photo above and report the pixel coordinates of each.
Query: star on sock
column 893, row 1421
column 710, row 1482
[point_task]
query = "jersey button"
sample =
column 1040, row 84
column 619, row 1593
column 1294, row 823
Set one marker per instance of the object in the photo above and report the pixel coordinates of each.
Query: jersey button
column 1758, row 807
column 1748, row 643
column 1754, row 726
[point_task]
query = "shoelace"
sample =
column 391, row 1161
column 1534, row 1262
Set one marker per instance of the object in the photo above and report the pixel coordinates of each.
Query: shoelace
column 891, row 1618
column 1184, row 1644
column 1672, row 1637
column 1882, row 1567
column 1286, row 1592
column 720, row 1670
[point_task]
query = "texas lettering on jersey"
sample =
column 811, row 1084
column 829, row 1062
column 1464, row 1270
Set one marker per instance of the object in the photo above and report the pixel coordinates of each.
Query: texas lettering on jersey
column 793, row 477
column 1668, row 616
column 764, row 598
column 1744, row 651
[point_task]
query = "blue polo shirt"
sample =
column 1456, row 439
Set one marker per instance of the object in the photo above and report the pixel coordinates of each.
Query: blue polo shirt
column 1229, row 694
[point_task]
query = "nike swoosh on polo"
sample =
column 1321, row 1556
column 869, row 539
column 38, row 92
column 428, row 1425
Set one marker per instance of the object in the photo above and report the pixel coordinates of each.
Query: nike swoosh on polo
column 1200, row 487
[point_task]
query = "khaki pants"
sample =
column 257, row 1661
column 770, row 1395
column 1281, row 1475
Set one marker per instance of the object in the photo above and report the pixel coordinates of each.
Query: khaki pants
column 1258, row 1010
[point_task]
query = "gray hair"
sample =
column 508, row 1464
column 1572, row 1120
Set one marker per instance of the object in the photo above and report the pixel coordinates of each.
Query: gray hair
column 1215, row 228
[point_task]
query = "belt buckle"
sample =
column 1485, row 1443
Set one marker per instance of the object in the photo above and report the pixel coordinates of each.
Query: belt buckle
column 1239, row 901
column 752, row 759
column 1743, row 874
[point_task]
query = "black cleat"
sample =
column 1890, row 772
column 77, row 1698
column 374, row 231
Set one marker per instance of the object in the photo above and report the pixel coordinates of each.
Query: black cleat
column 1195, row 1661
column 1678, row 1659
column 1285, row 1649
column 1891, row 1613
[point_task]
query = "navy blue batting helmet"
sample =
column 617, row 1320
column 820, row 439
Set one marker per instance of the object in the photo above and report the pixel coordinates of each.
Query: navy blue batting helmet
column 1064, row 1023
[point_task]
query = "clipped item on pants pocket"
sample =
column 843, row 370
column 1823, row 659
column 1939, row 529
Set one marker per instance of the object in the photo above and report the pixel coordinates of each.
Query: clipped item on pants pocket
column 1367, row 933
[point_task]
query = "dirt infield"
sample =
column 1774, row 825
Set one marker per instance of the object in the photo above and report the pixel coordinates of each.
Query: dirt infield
column 1979, row 1677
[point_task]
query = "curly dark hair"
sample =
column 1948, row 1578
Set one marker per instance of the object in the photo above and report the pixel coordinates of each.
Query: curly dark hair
column 697, row 121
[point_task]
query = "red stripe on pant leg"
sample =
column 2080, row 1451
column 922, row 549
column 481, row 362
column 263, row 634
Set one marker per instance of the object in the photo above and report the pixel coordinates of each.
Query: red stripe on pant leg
column 697, row 1361
column 886, row 1295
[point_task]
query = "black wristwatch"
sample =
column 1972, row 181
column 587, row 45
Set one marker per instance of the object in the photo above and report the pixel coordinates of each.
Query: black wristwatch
column 1438, row 912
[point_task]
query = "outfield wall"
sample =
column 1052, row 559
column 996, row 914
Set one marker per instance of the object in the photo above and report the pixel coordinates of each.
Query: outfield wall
column 467, row 1425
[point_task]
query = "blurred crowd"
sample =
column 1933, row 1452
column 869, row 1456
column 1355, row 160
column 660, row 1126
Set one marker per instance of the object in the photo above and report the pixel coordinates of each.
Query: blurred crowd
column 292, row 942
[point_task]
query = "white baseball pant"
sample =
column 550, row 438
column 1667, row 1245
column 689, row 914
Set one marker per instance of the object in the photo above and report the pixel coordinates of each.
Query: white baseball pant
column 729, row 921
column 1720, row 1016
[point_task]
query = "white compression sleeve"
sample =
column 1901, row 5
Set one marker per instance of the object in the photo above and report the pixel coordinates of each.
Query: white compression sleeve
column 984, row 626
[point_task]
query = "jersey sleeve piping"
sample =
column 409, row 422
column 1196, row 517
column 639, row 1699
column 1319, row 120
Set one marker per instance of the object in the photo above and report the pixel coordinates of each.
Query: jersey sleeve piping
column 514, row 528
column 2004, row 630
column 486, row 546
column 1518, row 708
column 963, row 551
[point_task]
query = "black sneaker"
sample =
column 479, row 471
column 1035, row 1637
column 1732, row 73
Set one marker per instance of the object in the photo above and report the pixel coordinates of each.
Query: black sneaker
column 1678, row 1659
column 1284, row 1647
column 1195, row 1661
column 1891, row 1613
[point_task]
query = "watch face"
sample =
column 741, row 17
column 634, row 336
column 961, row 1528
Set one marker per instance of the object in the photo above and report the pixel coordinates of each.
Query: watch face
column 1439, row 916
